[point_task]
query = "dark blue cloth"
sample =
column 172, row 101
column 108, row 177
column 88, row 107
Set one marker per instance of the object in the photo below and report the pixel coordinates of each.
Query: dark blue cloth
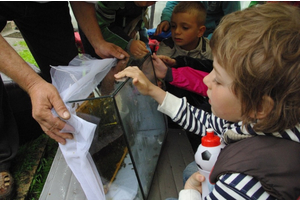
column 159, row 37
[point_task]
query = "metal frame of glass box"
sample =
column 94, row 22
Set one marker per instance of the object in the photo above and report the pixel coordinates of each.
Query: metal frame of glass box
column 130, row 132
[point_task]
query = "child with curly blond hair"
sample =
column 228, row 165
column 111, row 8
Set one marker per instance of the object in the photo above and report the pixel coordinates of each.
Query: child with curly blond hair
column 254, row 93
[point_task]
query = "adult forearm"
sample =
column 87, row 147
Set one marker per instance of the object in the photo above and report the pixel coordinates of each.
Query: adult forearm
column 86, row 17
column 15, row 67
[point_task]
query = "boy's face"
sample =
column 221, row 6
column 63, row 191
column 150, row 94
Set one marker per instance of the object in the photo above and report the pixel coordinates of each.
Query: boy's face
column 224, row 104
column 185, row 30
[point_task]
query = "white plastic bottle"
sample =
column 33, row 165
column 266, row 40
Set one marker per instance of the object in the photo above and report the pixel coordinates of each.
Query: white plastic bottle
column 206, row 156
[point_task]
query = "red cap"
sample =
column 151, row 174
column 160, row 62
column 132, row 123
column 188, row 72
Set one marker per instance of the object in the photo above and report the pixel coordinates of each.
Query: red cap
column 210, row 140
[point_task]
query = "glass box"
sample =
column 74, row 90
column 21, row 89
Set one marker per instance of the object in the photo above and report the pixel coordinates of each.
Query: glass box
column 129, row 134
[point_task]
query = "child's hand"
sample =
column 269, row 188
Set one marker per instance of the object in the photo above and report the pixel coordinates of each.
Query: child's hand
column 160, row 67
column 167, row 60
column 163, row 26
column 138, row 49
column 141, row 82
column 195, row 182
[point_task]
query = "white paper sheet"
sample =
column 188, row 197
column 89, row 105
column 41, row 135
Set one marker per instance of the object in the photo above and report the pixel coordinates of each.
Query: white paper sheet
column 77, row 81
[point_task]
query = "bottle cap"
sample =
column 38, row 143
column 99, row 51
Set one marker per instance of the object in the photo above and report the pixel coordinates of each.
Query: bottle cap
column 210, row 140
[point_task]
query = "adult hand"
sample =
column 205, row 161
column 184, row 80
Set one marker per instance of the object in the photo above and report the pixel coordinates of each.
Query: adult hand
column 44, row 97
column 86, row 17
column 163, row 26
column 109, row 50
column 195, row 182
column 138, row 49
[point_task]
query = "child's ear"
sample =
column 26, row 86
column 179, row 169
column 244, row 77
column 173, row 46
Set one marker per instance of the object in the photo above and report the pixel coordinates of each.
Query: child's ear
column 201, row 31
column 264, row 109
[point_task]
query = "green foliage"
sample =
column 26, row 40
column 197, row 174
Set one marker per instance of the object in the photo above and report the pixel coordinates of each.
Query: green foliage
column 26, row 54
column 22, row 43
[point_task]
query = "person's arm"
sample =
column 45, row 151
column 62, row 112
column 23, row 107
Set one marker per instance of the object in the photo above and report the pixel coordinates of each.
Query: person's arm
column 119, row 34
column 192, row 188
column 176, row 108
column 86, row 17
column 184, row 77
column 166, row 17
column 187, row 78
column 111, row 31
column 44, row 95
column 195, row 63
column 167, row 11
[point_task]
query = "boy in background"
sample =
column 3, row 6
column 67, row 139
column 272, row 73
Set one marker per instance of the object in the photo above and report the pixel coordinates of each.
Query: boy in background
column 215, row 10
column 187, row 28
column 186, row 42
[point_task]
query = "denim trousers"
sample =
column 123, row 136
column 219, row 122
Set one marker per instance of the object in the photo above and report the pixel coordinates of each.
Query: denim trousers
column 188, row 171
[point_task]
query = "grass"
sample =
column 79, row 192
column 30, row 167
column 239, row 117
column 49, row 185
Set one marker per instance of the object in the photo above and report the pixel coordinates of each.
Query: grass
column 31, row 166
column 42, row 171
column 26, row 54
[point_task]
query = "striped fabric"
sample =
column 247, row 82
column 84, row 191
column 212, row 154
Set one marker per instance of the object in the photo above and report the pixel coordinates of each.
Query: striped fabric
column 229, row 186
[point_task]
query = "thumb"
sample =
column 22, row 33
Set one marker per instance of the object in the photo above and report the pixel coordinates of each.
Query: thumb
column 65, row 114
column 200, row 177
column 61, row 109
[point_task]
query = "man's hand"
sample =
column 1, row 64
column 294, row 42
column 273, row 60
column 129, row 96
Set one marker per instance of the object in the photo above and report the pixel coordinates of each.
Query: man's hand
column 44, row 97
column 86, row 17
column 110, row 50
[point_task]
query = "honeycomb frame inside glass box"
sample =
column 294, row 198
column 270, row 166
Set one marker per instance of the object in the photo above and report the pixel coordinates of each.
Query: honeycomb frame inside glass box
column 130, row 132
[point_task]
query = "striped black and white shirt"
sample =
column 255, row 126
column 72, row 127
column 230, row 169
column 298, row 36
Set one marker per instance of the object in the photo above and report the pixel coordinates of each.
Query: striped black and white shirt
column 229, row 186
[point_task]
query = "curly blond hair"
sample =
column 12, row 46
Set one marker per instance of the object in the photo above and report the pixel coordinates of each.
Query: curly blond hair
column 259, row 47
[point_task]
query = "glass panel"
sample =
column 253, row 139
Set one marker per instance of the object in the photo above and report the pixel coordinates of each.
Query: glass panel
column 130, row 133
column 144, row 129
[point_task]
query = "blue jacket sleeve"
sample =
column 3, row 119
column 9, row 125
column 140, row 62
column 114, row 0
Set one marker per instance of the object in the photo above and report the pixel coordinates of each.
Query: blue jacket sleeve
column 167, row 11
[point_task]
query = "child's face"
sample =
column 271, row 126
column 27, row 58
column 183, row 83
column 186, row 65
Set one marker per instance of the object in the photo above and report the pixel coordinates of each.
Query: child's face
column 185, row 30
column 224, row 104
